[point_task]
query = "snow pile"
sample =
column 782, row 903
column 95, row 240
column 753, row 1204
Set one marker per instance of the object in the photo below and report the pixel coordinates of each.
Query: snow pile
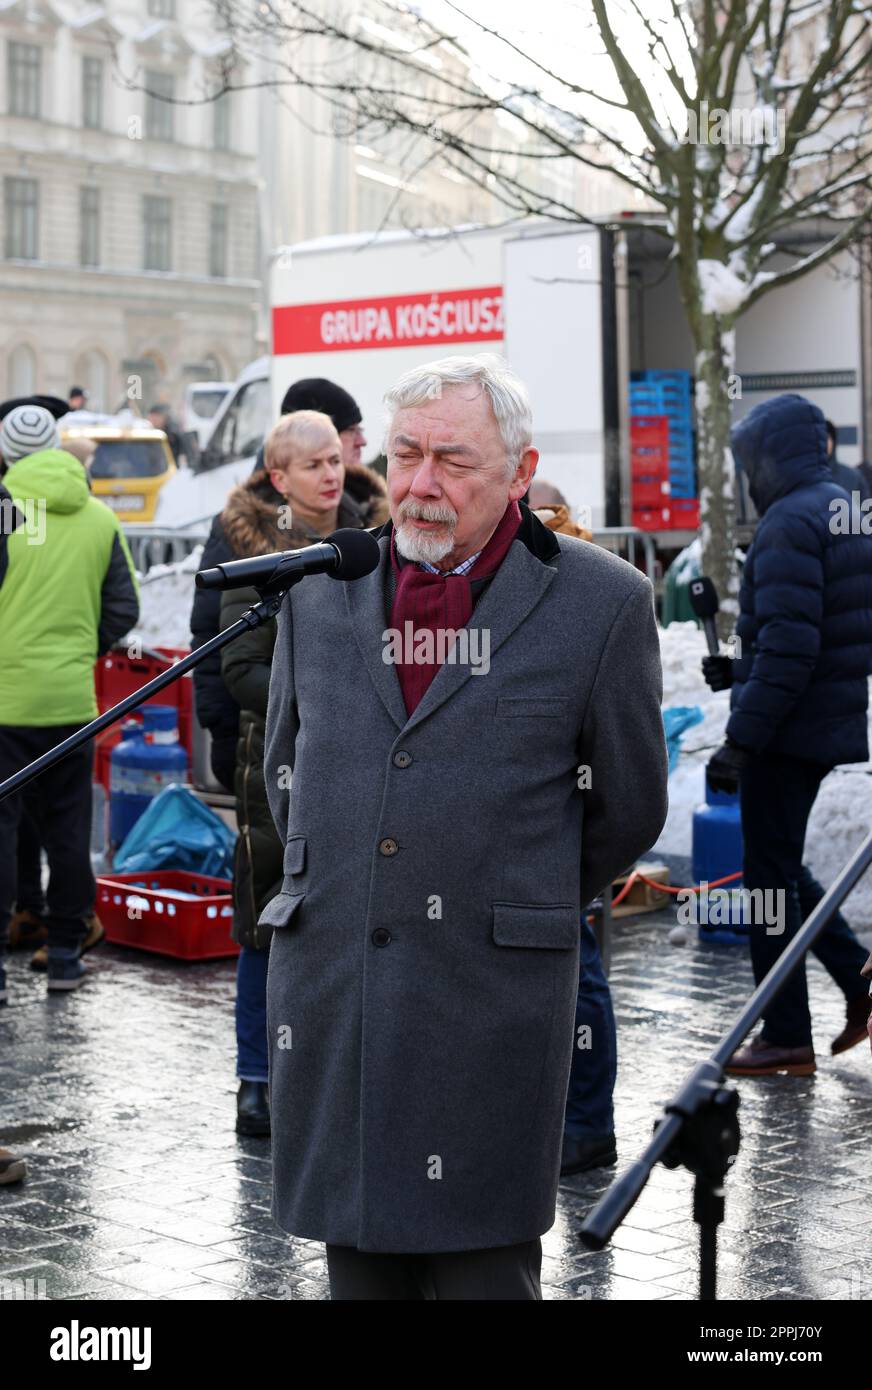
column 166, row 594
column 842, row 815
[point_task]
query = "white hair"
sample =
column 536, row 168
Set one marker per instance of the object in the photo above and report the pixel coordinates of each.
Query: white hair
column 506, row 393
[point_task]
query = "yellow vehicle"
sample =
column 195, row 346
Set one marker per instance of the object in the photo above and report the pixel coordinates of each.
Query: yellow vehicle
column 129, row 466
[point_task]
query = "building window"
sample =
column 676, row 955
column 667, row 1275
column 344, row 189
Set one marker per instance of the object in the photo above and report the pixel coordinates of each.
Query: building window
column 92, row 93
column 89, row 226
column 221, row 122
column 21, row 205
column 218, row 239
column 92, row 370
column 157, row 228
column 21, row 380
column 162, row 9
column 24, row 78
column 158, row 105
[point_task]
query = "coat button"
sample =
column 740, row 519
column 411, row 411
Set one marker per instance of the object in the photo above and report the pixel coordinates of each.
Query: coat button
column 381, row 936
column 388, row 847
column 402, row 759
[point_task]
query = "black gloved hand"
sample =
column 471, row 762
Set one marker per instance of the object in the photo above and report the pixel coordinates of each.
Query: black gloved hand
column 718, row 672
column 725, row 766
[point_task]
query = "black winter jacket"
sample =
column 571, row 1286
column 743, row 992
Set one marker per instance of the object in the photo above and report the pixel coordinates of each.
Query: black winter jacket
column 805, row 625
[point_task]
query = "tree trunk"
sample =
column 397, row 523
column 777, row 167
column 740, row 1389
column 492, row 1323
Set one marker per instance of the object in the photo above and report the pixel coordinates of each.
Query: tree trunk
column 715, row 359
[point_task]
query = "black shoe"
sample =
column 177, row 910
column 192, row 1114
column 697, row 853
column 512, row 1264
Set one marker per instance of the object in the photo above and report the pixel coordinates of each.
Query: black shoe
column 252, row 1108
column 579, row 1155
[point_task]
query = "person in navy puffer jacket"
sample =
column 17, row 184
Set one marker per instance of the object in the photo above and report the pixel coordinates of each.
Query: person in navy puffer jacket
column 797, row 707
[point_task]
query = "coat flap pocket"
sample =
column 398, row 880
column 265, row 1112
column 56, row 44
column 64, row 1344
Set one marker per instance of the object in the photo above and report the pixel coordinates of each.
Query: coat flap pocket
column 295, row 854
column 523, row 924
column 533, row 707
column 280, row 909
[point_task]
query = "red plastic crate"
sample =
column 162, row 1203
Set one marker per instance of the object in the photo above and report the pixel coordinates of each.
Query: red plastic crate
column 685, row 513
column 139, row 910
column 649, row 431
column 652, row 518
column 649, row 437
column 649, row 466
column 116, row 675
column 650, row 492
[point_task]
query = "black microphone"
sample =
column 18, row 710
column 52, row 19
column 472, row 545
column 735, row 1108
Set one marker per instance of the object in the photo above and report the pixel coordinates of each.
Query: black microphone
column 345, row 554
column 704, row 602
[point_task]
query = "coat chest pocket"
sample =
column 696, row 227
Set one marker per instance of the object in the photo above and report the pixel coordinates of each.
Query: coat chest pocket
column 294, row 861
column 532, row 707
column 280, row 910
column 530, row 925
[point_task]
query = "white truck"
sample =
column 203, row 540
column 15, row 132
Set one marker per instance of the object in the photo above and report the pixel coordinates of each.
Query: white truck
column 574, row 309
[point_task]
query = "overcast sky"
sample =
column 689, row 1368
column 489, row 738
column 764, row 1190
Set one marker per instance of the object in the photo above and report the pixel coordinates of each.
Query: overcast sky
column 561, row 34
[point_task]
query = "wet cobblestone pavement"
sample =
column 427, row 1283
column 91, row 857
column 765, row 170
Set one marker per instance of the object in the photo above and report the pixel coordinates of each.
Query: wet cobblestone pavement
column 122, row 1099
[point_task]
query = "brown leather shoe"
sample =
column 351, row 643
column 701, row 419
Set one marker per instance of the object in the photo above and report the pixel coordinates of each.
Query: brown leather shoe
column 854, row 1030
column 26, row 930
column 96, row 932
column 762, row 1058
column 12, row 1168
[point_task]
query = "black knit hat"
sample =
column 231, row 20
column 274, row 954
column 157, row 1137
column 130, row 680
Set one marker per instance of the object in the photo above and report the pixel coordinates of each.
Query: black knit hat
column 53, row 404
column 316, row 393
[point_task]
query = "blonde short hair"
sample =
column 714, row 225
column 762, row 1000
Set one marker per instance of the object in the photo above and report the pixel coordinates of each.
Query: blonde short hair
column 298, row 433
column 83, row 449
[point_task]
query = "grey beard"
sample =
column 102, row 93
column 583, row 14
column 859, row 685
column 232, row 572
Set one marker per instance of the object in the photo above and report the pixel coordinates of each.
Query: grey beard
column 418, row 546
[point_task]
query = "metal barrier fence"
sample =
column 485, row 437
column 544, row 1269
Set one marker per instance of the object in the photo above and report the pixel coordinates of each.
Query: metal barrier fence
column 153, row 545
column 623, row 540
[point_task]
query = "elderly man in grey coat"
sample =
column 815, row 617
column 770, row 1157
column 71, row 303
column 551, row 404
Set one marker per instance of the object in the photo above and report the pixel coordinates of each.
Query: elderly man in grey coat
column 463, row 749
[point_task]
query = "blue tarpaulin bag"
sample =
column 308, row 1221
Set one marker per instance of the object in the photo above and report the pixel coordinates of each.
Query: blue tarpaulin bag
column 177, row 832
column 677, row 719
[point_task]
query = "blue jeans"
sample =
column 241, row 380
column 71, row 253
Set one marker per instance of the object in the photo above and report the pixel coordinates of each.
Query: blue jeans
column 252, row 1060
column 589, row 1113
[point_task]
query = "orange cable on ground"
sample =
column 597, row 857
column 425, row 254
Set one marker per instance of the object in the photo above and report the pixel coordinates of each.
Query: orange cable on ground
column 667, row 888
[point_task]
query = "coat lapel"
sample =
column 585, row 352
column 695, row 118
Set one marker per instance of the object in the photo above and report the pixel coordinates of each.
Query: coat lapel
column 366, row 606
column 512, row 594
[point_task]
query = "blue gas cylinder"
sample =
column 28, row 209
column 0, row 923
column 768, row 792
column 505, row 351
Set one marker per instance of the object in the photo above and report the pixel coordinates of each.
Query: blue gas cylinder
column 717, row 852
column 146, row 761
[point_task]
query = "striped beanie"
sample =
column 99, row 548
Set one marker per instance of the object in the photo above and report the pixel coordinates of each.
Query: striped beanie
column 26, row 430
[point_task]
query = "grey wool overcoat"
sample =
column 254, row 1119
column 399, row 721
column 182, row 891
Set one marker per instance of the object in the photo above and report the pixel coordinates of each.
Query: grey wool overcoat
column 424, row 962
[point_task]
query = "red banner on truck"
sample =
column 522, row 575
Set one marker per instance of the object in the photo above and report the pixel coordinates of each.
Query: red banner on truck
column 399, row 320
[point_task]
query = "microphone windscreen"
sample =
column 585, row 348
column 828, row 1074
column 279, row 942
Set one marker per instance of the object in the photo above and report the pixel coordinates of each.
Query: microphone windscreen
column 703, row 597
column 358, row 553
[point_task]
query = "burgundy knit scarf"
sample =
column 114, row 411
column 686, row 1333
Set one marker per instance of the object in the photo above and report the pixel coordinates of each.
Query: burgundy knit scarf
column 437, row 602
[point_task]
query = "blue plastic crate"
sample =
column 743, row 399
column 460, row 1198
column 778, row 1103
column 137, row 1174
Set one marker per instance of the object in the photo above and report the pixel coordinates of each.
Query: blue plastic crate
column 679, row 418
column 675, row 389
column 657, row 375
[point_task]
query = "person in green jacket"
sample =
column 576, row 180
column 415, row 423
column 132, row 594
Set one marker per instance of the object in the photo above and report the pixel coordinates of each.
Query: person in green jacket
column 302, row 494
column 68, row 591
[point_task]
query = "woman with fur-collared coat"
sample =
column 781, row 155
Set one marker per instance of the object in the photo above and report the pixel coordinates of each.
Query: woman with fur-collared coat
column 302, row 494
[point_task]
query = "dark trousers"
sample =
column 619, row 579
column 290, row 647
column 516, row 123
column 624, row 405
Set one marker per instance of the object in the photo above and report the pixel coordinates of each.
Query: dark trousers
column 29, row 896
column 777, row 795
column 589, row 1112
column 507, row 1273
column 61, row 802
column 252, row 1055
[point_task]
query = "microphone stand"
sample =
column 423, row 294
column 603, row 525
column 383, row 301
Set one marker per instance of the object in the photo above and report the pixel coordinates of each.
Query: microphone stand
column 271, row 598
column 699, row 1128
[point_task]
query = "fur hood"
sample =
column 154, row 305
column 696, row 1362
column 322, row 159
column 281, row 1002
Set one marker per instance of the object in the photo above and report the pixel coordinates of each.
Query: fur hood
column 251, row 515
